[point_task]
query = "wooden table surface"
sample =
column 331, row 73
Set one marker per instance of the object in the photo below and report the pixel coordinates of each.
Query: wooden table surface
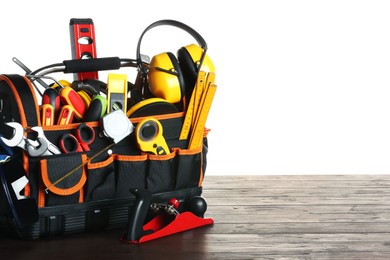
column 256, row 217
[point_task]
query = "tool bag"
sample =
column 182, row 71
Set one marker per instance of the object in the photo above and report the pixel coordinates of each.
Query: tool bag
column 96, row 195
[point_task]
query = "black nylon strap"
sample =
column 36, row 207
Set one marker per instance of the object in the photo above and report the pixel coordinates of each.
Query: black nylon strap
column 26, row 97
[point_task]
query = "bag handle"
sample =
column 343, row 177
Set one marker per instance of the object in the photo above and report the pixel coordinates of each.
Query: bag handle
column 24, row 96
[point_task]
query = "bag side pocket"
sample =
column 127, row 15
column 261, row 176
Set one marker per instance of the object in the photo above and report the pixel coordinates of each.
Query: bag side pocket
column 161, row 172
column 131, row 173
column 189, row 168
column 100, row 180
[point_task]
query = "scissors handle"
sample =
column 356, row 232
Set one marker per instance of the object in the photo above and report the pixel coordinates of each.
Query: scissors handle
column 70, row 144
column 85, row 135
column 78, row 142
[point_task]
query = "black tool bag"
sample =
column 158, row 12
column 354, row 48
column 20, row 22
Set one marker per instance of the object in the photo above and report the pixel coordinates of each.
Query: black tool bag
column 96, row 195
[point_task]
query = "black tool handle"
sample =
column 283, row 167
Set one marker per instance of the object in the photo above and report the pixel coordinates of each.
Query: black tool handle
column 138, row 214
column 94, row 64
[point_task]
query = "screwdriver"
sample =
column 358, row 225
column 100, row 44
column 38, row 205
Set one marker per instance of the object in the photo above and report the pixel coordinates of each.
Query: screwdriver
column 97, row 109
column 70, row 97
column 47, row 114
column 66, row 115
column 50, row 96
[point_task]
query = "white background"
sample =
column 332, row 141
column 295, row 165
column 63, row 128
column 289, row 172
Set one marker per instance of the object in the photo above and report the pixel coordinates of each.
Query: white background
column 303, row 86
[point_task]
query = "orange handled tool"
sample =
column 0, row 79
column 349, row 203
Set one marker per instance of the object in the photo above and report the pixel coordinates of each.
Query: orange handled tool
column 70, row 97
column 66, row 115
column 47, row 114
column 50, row 96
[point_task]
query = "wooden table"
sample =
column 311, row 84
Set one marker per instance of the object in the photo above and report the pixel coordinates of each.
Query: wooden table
column 262, row 217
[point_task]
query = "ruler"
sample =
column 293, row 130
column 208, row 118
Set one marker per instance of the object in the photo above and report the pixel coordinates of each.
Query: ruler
column 198, row 130
column 210, row 80
column 193, row 105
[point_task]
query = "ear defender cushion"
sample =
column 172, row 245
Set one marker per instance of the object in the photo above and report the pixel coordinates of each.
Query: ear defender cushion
column 189, row 58
column 165, row 78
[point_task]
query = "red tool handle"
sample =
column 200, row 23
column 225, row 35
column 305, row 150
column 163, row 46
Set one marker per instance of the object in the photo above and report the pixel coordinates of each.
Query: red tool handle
column 66, row 115
column 50, row 96
column 70, row 144
column 47, row 114
column 70, row 97
column 85, row 135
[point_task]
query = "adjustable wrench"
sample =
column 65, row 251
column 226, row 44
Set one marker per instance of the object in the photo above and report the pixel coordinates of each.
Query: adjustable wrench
column 51, row 148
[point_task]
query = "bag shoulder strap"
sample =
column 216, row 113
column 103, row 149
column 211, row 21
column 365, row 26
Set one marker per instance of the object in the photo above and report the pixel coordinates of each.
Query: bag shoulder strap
column 24, row 97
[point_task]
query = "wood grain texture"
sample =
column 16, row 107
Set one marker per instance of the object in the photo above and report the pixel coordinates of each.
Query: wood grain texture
column 256, row 217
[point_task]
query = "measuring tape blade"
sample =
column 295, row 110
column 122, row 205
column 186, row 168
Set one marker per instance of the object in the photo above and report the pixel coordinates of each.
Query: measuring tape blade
column 191, row 109
column 197, row 134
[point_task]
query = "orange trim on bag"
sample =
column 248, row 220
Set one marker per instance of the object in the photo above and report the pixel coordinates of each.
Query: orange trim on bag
column 206, row 132
column 201, row 170
column 23, row 121
column 27, row 190
column 71, row 126
column 162, row 157
column 35, row 99
column 81, row 197
column 131, row 158
column 59, row 191
column 102, row 164
column 41, row 195
column 180, row 151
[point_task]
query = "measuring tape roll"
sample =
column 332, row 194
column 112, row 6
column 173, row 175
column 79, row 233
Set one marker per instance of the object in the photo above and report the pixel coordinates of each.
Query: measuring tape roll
column 149, row 135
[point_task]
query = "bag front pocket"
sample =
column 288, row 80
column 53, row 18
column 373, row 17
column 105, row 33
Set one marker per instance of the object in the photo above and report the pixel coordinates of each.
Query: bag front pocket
column 63, row 179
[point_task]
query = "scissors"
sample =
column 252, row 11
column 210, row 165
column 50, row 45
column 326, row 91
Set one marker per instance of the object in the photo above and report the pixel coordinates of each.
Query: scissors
column 78, row 142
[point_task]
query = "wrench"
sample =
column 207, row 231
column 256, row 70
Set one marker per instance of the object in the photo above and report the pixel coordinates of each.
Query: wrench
column 41, row 149
column 18, row 138
column 51, row 148
column 33, row 147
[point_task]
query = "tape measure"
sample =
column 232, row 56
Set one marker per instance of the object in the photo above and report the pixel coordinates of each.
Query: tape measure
column 116, row 92
column 197, row 133
column 192, row 106
column 149, row 135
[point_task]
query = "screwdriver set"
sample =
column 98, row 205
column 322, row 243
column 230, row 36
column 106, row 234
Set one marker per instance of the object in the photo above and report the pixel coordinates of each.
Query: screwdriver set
column 96, row 153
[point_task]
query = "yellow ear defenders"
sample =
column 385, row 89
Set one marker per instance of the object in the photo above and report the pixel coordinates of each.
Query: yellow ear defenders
column 190, row 60
column 170, row 78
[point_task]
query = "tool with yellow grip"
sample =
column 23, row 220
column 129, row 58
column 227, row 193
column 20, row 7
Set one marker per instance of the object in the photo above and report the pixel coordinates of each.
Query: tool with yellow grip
column 149, row 135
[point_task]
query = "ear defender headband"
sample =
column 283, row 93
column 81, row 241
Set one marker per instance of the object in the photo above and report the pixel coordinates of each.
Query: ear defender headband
column 170, row 78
